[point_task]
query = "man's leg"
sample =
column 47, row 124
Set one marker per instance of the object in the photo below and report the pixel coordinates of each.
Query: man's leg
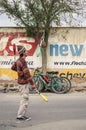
column 24, row 91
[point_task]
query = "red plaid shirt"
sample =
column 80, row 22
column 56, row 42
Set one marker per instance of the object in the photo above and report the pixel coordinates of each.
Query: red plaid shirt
column 24, row 76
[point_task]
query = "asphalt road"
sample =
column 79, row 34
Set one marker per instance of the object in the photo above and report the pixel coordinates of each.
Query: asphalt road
column 62, row 112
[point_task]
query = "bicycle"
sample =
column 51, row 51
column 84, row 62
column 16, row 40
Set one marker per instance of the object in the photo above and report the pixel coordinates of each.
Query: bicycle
column 51, row 82
column 36, row 77
column 63, row 83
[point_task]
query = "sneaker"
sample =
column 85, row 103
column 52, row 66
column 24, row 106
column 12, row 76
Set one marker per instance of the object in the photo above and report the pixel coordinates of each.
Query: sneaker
column 24, row 118
column 27, row 118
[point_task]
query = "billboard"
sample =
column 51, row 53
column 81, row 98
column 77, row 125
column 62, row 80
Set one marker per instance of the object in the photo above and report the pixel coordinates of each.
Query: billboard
column 7, row 57
column 65, row 52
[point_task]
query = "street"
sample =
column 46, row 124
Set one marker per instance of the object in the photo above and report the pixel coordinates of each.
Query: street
column 62, row 112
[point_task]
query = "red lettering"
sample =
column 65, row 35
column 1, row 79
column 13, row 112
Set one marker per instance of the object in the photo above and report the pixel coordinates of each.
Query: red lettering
column 7, row 40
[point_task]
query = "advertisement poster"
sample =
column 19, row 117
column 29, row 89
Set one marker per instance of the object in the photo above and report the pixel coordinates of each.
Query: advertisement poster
column 66, row 51
column 7, row 57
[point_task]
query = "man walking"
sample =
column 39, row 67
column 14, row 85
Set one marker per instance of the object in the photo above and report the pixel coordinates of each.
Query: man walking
column 24, row 80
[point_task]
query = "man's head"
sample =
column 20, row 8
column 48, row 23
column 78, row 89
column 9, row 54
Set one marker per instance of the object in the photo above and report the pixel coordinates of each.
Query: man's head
column 22, row 50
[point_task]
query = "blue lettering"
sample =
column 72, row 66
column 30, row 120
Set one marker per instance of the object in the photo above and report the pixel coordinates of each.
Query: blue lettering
column 64, row 50
column 75, row 50
column 52, row 48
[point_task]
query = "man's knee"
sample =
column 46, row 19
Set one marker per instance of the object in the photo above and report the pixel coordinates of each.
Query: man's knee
column 26, row 96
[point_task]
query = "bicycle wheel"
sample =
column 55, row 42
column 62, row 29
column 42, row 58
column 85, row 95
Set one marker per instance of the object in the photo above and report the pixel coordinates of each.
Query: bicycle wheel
column 61, row 85
column 68, row 84
column 39, row 84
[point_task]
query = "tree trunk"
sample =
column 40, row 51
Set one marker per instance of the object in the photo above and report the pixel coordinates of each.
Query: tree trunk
column 44, row 51
column 44, row 60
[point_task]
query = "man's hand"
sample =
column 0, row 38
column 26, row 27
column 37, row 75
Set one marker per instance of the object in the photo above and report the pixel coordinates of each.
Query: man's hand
column 35, row 89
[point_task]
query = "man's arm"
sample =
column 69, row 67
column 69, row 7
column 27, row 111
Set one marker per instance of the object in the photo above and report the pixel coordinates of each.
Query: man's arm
column 27, row 75
column 14, row 67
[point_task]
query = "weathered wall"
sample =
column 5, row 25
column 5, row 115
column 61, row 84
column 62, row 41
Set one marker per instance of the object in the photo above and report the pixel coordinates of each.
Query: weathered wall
column 66, row 51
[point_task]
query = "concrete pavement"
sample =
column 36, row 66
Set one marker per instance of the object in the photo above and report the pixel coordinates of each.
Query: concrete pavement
column 58, row 125
column 62, row 112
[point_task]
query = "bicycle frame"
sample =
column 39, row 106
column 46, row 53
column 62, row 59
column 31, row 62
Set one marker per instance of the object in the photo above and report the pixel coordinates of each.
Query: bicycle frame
column 47, row 85
column 51, row 82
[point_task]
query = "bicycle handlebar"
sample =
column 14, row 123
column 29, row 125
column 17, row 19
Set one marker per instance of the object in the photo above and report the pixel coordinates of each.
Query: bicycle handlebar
column 36, row 70
column 53, row 72
column 48, row 72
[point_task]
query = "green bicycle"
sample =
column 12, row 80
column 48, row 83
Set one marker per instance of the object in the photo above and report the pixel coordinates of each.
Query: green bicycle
column 51, row 82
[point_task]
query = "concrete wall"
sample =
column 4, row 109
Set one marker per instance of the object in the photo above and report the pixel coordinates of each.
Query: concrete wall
column 66, row 51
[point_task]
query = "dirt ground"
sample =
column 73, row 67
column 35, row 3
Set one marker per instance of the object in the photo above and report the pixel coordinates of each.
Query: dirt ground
column 77, row 84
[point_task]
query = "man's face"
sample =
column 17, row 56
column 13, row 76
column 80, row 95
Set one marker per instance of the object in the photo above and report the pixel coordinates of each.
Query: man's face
column 25, row 53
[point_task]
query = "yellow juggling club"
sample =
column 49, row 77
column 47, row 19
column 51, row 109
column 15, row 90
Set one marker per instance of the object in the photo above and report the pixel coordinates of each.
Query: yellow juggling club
column 42, row 96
